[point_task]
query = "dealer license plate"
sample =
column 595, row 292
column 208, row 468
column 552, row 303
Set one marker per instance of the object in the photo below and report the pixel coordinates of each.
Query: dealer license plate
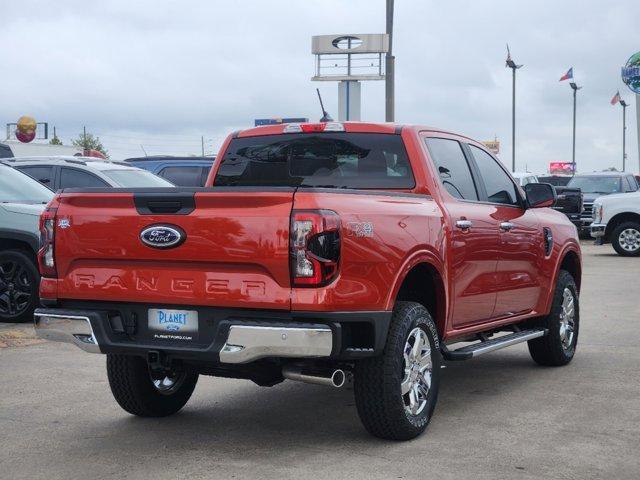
column 165, row 324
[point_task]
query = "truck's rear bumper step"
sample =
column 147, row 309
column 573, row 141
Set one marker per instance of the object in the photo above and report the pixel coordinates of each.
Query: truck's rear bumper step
column 486, row 346
column 67, row 329
column 247, row 343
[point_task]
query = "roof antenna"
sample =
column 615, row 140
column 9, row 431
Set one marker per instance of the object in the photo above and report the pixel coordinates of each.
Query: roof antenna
column 325, row 116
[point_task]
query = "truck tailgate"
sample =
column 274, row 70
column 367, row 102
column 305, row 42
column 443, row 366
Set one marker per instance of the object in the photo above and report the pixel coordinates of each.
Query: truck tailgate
column 234, row 254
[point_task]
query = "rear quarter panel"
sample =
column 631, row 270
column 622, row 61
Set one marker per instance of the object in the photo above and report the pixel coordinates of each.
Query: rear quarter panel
column 381, row 233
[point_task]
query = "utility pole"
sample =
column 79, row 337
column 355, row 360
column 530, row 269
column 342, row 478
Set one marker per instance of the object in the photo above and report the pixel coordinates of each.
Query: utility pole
column 84, row 138
column 390, row 60
column 624, row 134
column 575, row 89
column 202, row 139
column 512, row 65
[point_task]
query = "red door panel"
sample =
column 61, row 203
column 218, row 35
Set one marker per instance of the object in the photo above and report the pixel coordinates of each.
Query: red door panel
column 519, row 262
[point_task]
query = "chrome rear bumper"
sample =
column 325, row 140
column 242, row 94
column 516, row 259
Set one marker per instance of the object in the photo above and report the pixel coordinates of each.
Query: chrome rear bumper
column 247, row 343
column 68, row 329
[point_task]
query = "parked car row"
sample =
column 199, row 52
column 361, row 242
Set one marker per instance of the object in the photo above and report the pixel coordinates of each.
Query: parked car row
column 27, row 185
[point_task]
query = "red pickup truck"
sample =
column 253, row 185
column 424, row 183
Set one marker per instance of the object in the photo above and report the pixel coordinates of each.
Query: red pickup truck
column 317, row 252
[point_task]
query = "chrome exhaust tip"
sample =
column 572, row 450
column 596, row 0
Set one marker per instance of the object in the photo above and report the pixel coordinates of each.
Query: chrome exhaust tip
column 330, row 378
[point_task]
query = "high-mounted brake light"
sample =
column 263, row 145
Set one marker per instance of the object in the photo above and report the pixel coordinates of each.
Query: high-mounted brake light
column 314, row 127
column 314, row 247
column 46, row 254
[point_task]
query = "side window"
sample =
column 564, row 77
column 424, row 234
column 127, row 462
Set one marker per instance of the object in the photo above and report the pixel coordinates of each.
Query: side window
column 74, row 178
column 500, row 188
column 43, row 174
column 183, row 176
column 633, row 186
column 452, row 167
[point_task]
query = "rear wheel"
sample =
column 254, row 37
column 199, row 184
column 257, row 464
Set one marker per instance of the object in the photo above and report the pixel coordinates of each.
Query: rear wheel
column 142, row 392
column 19, row 280
column 396, row 392
column 625, row 239
column 559, row 345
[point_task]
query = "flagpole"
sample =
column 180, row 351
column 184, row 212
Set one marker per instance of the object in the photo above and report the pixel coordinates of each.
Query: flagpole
column 624, row 135
column 573, row 150
column 512, row 65
column 575, row 89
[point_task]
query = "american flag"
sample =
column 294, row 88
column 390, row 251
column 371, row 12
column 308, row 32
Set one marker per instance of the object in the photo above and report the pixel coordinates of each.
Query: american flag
column 616, row 98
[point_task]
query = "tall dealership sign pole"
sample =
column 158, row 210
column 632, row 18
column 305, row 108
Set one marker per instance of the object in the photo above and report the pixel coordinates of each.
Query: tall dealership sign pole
column 349, row 59
column 631, row 77
column 512, row 65
column 390, row 69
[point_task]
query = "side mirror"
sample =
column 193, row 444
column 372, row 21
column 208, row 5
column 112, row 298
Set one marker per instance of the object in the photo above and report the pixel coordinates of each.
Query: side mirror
column 540, row 195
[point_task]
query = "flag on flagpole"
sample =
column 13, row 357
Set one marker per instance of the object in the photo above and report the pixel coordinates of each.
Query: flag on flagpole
column 616, row 98
column 568, row 75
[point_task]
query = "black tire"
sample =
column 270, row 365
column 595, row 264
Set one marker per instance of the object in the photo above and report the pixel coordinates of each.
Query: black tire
column 551, row 350
column 377, row 380
column 19, row 284
column 132, row 387
column 626, row 229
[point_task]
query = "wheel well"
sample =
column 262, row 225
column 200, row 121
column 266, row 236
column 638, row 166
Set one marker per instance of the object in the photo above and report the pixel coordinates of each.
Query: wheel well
column 571, row 263
column 424, row 285
column 618, row 219
column 11, row 244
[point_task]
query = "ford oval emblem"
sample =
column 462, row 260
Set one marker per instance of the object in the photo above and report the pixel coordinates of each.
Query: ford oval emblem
column 162, row 236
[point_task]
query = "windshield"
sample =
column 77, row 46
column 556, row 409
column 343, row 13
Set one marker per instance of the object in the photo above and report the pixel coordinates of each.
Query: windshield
column 16, row 187
column 136, row 178
column 596, row 184
column 331, row 160
column 556, row 181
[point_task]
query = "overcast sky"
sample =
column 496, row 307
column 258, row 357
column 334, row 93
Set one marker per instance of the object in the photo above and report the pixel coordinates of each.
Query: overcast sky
column 162, row 73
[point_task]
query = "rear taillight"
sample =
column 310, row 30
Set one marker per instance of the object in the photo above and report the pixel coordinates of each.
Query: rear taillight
column 46, row 254
column 314, row 247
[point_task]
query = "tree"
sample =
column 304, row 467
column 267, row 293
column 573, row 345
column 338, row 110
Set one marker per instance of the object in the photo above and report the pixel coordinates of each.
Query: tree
column 55, row 140
column 88, row 142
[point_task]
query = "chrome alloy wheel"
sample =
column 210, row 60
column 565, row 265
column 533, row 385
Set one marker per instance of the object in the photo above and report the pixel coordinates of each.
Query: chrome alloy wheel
column 418, row 367
column 567, row 318
column 169, row 383
column 629, row 240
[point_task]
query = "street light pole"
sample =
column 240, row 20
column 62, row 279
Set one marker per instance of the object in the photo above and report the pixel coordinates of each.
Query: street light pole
column 390, row 66
column 575, row 89
column 624, row 134
column 512, row 65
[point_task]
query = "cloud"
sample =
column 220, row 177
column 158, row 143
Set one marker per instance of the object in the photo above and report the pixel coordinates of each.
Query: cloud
column 167, row 73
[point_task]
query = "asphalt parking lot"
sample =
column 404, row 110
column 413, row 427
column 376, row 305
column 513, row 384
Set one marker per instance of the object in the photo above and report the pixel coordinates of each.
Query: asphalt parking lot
column 498, row 416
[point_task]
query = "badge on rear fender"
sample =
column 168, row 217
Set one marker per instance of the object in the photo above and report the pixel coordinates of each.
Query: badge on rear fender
column 163, row 236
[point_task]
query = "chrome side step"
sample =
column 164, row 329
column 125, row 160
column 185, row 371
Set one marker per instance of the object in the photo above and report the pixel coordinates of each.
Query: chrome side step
column 486, row 346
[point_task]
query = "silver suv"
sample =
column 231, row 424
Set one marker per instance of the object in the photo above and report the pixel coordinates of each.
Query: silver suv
column 58, row 173
column 22, row 200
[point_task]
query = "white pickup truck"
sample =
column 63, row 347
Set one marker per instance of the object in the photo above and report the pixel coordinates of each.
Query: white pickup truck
column 616, row 219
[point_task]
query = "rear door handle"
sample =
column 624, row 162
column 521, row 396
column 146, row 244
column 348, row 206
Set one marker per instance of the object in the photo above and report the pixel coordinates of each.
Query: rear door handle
column 506, row 226
column 464, row 224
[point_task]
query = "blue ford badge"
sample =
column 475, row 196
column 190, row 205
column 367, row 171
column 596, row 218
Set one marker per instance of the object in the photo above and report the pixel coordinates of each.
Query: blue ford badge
column 162, row 236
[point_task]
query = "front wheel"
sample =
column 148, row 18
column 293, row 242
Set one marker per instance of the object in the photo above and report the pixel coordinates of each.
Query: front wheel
column 142, row 392
column 625, row 239
column 558, row 347
column 396, row 392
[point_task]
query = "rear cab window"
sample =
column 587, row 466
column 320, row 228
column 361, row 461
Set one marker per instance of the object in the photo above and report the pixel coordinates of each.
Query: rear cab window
column 327, row 160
